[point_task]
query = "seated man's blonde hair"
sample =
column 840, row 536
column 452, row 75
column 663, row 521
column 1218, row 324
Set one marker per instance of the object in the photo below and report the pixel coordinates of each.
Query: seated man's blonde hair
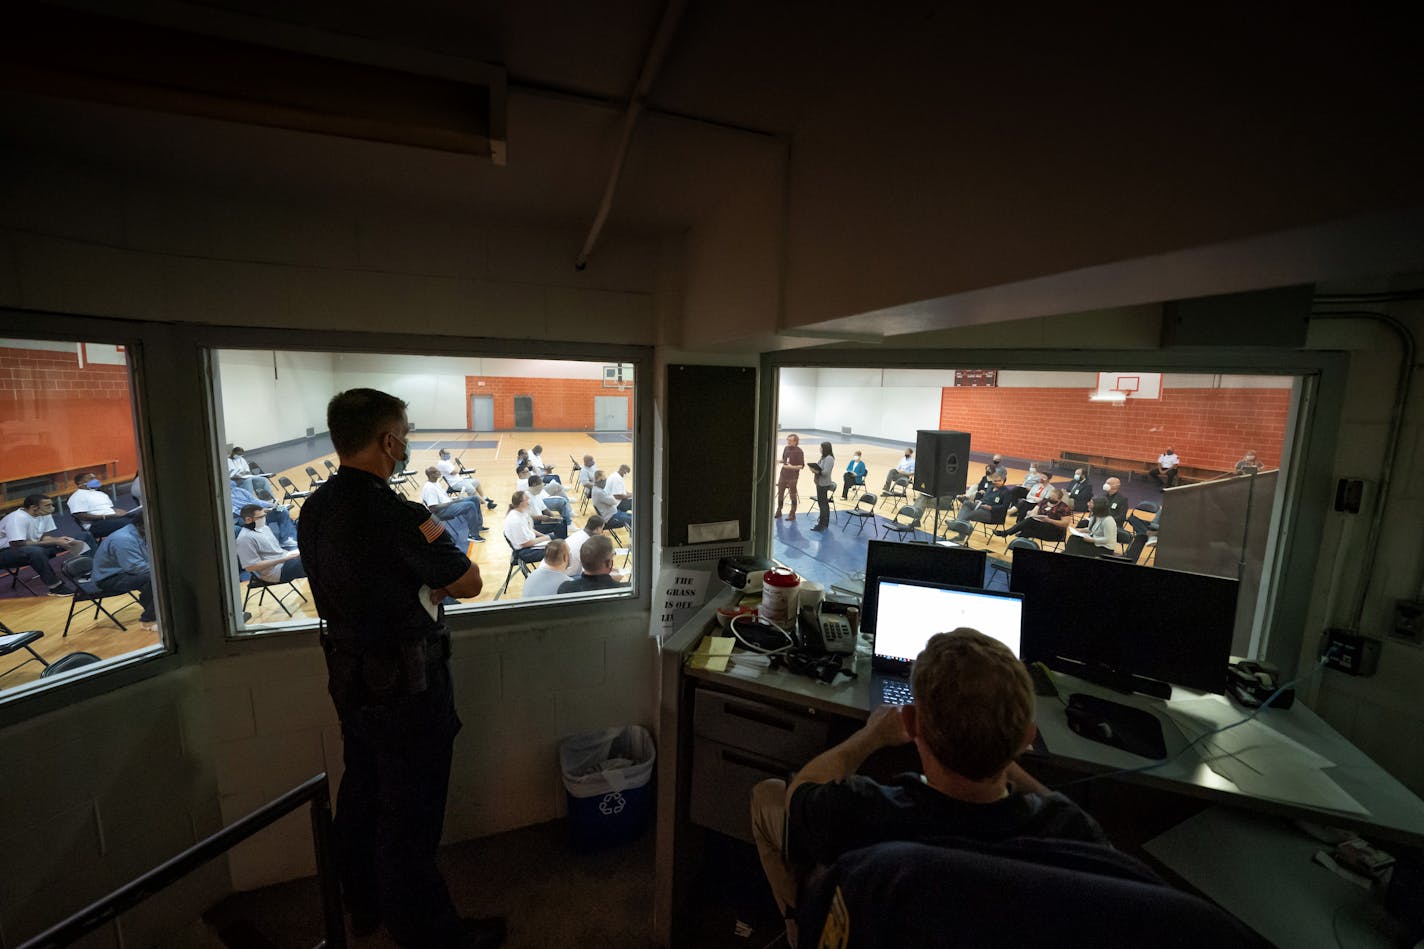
column 973, row 702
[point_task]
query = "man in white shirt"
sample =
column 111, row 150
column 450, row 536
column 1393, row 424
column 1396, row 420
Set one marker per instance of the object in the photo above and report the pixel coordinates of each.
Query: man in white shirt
column 591, row 527
column 240, row 472
column 618, row 487
column 93, row 509
column 605, row 502
column 537, row 466
column 461, row 480
column 461, row 517
column 28, row 537
column 906, row 469
column 550, row 514
column 586, row 471
column 551, row 572
column 259, row 553
column 1166, row 471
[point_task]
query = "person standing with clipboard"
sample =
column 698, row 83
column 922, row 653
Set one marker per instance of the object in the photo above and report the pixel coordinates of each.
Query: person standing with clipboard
column 825, row 470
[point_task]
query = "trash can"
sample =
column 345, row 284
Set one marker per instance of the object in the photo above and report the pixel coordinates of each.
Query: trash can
column 608, row 776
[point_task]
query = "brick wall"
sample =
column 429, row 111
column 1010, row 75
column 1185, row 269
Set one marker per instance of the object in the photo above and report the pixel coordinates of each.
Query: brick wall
column 558, row 403
column 55, row 415
column 1210, row 428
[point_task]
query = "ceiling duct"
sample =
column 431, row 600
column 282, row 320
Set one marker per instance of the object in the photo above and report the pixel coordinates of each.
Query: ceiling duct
column 271, row 76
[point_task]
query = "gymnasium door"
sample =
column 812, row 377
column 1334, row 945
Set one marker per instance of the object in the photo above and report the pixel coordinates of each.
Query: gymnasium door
column 610, row 413
column 481, row 413
column 523, row 411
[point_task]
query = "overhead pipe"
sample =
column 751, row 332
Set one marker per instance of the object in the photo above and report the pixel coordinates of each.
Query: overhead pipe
column 672, row 13
column 1396, row 420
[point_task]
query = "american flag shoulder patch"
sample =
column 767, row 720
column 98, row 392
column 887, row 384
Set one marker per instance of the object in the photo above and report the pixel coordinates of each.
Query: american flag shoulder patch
column 432, row 530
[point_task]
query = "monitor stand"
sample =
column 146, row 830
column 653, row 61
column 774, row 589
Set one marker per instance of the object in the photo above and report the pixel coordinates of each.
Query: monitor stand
column 1115, row 679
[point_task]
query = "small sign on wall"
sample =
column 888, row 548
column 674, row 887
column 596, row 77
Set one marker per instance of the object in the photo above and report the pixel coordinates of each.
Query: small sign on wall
column 975, row 378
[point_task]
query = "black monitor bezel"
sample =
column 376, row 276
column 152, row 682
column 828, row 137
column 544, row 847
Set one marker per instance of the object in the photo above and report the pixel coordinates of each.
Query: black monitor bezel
column 870, row 592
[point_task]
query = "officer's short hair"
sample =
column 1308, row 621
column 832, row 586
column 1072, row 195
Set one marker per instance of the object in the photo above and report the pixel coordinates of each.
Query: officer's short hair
column 249, row 510
column 595, row 552
column 355, row 417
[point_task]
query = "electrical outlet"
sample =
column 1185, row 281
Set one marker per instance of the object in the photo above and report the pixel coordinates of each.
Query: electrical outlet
column 1350, row 652
column 1408, row 622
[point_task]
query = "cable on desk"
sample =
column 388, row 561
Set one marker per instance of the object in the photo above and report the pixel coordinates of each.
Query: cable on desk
column 1300, row 680
column 732, row 628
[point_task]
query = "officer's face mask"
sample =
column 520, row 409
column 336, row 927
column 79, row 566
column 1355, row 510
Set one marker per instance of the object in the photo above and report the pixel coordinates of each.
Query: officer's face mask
column 1107, row 487
column 404, row 457
column 94, row 485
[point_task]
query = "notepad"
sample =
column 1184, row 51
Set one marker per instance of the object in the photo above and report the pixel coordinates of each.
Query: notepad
column 712, row 653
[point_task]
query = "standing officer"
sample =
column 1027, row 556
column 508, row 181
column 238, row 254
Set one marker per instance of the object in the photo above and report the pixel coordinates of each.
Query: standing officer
column 370, row 557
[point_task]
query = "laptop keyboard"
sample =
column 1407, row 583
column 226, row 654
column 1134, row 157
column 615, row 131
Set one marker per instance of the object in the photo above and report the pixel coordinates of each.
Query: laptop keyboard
column 896, row 692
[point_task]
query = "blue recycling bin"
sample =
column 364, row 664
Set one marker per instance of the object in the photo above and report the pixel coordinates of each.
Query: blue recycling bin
column 608, row 777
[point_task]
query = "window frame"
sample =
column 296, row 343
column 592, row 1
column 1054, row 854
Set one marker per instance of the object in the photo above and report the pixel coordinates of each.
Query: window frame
column 468, row 616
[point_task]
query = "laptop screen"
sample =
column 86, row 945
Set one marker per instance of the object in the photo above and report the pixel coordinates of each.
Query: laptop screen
column 909, row 612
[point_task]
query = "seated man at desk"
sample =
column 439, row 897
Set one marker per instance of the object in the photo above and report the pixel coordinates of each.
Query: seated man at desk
column 971, row 786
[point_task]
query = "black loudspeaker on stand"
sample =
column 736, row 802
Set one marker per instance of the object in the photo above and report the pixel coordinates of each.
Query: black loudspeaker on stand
column 941, row 463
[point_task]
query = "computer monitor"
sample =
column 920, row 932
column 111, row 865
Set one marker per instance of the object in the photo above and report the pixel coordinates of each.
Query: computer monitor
column 911, row 611
column 956, row 566
column 1129, row 627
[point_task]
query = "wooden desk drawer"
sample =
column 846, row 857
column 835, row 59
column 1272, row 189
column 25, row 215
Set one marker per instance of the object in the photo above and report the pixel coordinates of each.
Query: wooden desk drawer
column 722, row 782
column 759, row 728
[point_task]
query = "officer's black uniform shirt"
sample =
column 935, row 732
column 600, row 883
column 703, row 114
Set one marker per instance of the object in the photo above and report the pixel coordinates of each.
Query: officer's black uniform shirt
column 367, row 552
column 1080, row 495
column 999, row 498
column 1118, row 506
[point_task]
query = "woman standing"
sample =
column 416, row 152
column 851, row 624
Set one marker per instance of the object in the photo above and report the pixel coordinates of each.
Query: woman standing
column 825, row 470
column 1099, row 538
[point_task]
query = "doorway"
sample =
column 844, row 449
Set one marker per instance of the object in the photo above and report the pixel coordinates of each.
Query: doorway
column 524, row 411
column 610, row 413
column 481, row 413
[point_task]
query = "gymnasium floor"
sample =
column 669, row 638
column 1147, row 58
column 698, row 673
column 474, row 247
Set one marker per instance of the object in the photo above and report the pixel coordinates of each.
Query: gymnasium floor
column 492, row 454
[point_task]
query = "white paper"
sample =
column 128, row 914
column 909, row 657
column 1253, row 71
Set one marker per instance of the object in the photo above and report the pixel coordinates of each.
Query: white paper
column 430, row 605
column 679, row 592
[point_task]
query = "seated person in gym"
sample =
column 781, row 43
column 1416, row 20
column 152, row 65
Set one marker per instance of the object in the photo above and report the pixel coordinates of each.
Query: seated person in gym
column 537, row 466
column 1097, row 537
column 906, row 470
column 121, row 564
column 521, row 478
column 853, row 476
column 591, row 528
column 1080, row 492
column 550, row 514
column 29, row 538
column 972, row 716
column 1250, row 464
column 460, row 481
column 990, row 509
column 586, row 471
column 279, row 518
column 1048, row 520
column 596, row 556
column 93, row 509
column 618, row 487
column 1033, row 477
column 240, row 472
column 551, row 572
column 462, row 518
column 986, row 481
column 521, row 460
column 1118, row 504
column 519, row 530
column 1037, row 492
column 258, row 551
column 1166, row 471
column 605, row 503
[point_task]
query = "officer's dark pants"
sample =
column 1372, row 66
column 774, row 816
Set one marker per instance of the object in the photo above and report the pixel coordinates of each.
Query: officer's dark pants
column 391, row 807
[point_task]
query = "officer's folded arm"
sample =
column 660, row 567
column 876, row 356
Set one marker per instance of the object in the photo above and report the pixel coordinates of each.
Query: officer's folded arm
column 467, row 585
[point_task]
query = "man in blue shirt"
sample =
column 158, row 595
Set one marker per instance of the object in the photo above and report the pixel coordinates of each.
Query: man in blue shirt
column 121, row 565
column 278, row 520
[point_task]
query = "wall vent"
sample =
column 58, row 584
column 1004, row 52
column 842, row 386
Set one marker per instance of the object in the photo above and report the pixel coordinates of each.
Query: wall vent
column 311, row 432
column 845, row 431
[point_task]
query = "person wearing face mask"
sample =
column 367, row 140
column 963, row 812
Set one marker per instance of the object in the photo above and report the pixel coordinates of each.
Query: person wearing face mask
column 380, row 569
column 1080, row 492
column 1166, row 471
column 93, row 509
column 605, row 502
column 259, row 552
column 1118, row 504
column 239, row 472
column 1097, row 537
column 279, row 519
column 1033, row 477
column 986, row 482
column 906, row 469
column 853, row 476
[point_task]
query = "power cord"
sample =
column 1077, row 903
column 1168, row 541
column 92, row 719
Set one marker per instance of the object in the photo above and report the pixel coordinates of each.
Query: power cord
column 732, row 628
column 1298, row 681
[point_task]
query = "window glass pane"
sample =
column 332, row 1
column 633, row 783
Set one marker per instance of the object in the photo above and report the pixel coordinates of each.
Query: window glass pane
column 473, row 421
column 1169, row 450
column 76, row 578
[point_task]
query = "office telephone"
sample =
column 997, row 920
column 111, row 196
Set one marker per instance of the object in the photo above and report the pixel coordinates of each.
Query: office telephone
column 823, row 632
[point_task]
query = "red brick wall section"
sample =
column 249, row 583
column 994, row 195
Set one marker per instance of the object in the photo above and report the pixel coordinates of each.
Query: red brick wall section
column 1211, row 428
column 55, row 415
column 558, row 403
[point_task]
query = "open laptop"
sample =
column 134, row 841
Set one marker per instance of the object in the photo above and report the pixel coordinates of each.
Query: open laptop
column 909, row 612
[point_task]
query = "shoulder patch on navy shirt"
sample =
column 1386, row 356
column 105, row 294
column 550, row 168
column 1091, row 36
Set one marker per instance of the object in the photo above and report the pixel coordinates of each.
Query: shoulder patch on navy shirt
column 431, row 530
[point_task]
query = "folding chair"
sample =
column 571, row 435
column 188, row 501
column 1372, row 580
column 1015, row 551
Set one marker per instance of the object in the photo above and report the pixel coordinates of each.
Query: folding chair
column 400, row 483
column 330, row 468
column 897, row 526
column 900, row 489
column 460, row 465
column 254, row 582
column 860, row 512
column 999, row 565
column 86, row 590
column 290, row 492
column 515, row 563
column 814, row 507
column 73, row 660
column 15, row 577
column 11, row 641
column 316, row 479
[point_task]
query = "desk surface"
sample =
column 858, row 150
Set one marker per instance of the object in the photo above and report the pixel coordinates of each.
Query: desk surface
column 1394, row 812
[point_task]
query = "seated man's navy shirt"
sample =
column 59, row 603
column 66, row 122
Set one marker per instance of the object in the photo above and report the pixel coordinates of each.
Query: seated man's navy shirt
column 826, row 820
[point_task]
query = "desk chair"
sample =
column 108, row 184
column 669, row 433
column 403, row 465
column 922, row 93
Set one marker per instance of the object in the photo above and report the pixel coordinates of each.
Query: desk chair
column 516, row 563
column 316, row 479
column 909, row 895
column 11, row 641
column 290, row 492
column 78, row 571
column 254, row 582
column 900, row 489
column 863, row 510
column 15, row 577
column 903, row 527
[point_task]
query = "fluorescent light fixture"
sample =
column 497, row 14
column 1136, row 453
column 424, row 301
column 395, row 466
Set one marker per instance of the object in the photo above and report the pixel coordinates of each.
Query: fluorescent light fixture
column 1113, row 396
